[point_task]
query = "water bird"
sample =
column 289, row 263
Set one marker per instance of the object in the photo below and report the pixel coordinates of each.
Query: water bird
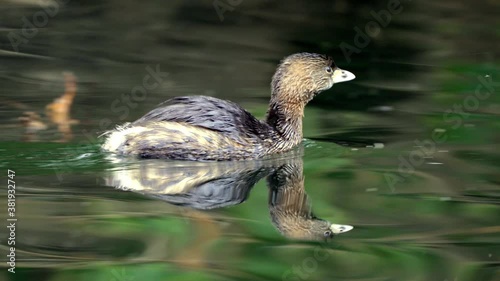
column 203, row 128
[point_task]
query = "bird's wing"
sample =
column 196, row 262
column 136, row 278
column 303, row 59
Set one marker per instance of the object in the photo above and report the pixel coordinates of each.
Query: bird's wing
column 207, row 112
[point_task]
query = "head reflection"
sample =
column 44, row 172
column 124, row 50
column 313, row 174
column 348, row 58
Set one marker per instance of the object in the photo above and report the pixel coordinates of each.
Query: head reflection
column 290, row 208
column 206, row 186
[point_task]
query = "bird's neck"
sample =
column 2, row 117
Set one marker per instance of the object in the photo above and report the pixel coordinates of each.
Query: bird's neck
column 286, row 119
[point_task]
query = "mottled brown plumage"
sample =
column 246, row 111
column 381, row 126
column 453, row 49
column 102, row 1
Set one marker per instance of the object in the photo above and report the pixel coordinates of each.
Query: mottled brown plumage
column 206, row 128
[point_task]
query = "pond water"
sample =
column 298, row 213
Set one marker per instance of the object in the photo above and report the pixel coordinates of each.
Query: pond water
column 407, row 153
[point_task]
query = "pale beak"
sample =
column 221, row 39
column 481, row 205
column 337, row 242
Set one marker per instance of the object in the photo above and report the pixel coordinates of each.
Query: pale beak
column 340, row 75
column 340, row 228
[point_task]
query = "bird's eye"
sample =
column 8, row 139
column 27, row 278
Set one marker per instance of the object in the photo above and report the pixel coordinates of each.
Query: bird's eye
column 328, row 233
column 328, row 69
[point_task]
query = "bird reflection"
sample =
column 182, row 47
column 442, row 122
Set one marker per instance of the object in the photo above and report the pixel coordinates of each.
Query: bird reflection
column 206, row 186
column 290, row 208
